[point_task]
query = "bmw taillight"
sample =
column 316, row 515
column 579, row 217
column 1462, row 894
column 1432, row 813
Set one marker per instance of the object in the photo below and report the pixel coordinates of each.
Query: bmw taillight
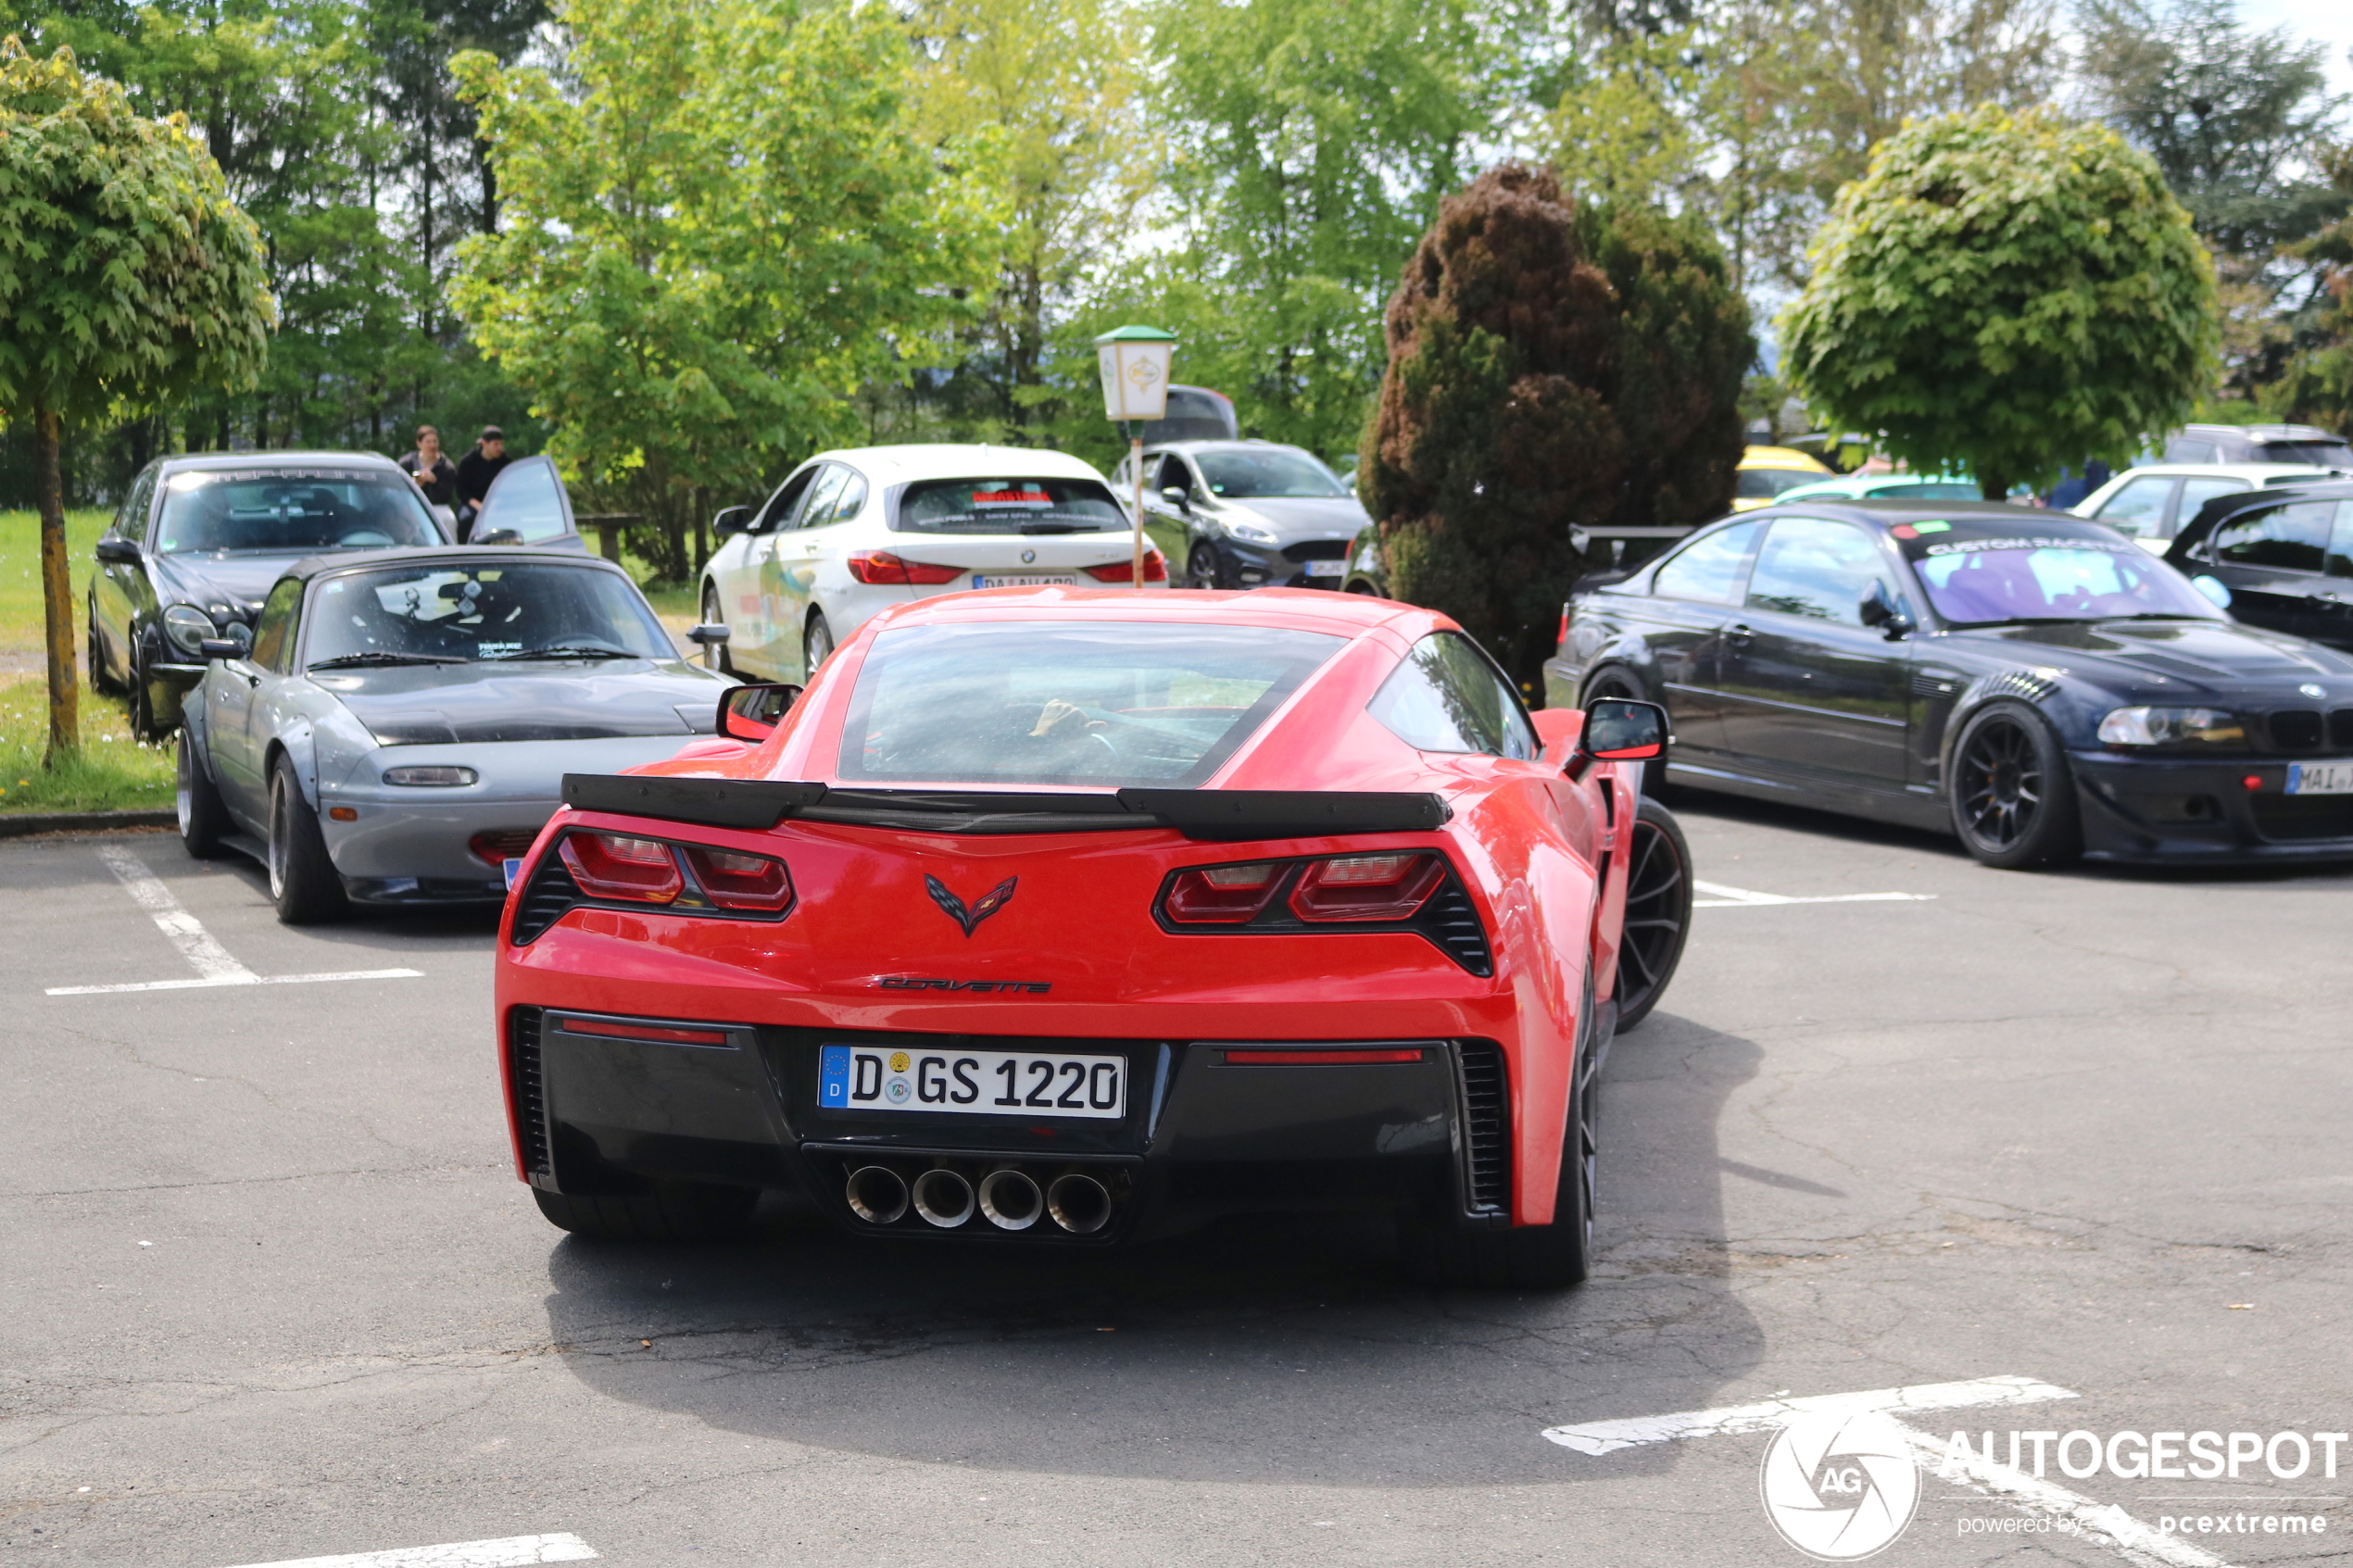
column 737, row 881
column 1155, row 570
column 882, row 567
column 612, row 865
column 1219, row 894
column 1366, row 886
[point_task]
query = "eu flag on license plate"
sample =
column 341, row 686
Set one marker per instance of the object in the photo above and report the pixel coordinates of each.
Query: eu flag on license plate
column 833, row 1076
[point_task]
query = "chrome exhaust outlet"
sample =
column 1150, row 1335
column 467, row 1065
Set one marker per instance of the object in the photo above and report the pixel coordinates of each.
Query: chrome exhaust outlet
column 877, row 1194
column 1010, row 1199
column 1081, row 1205
column 943, row 1199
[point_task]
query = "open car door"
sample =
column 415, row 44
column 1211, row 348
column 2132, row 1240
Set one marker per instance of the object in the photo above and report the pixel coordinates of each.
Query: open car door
column 527, row 505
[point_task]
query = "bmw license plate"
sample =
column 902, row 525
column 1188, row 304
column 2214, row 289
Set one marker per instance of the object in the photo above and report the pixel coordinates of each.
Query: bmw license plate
column 1028, row 580
column 972, row 1083
column 2319, row 778
column 1326, row 568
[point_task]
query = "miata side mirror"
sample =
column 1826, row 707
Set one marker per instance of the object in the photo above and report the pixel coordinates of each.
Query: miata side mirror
column 752, row 712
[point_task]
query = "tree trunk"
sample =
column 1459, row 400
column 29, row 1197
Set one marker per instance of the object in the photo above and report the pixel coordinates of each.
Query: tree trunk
column 57, row 591
column 1992, row 486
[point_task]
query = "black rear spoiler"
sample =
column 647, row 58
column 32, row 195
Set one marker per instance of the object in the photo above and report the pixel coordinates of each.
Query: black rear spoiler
column 1217, row 816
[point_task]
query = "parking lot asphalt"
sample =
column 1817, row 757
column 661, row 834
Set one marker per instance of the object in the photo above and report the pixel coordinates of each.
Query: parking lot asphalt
column 270, row 1291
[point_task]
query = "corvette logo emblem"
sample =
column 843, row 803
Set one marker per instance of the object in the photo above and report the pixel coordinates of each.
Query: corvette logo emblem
column 983, row 907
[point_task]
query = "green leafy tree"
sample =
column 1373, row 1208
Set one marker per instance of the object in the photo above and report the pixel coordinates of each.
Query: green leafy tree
column 127, row 278
column 716, row 231
column 1550, row 367
column 2007, row 294
column 2318, row 385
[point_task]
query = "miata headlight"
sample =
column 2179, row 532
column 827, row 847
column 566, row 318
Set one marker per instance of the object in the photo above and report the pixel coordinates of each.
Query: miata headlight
column 187, row 627
column 431, row 777
column 2172, row 726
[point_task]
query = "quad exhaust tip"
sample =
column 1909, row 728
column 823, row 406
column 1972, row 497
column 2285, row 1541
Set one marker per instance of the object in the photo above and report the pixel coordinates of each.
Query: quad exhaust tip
column 1081, row 1205
column 878, row 1194
column 1008, row 1196
column 1010, row 1199
column 943, row 1199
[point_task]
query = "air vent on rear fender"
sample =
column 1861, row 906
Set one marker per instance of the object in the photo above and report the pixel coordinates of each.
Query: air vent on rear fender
column 1449, row 920
column 549, row 893
column 2296, row 728
column 531, row 1097
column 1486, row 1127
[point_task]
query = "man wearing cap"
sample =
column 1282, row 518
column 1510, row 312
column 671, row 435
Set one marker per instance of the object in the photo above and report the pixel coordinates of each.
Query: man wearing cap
column 475, row 470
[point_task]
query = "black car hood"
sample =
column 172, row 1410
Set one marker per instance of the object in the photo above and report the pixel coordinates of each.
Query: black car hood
column 455, row 704
column 239, row 581
column 2211, row 654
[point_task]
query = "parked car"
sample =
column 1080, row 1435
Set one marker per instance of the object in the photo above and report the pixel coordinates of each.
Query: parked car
column 527, row 504
column 400, row 725
column 2153, row 502
column 2259, row 443
column 2285, row 559
column 1255, row 514
column 199, row 539
column 1056, row 920
column 1367, row 563
column 1886, row 486
column 852, row 533
column 1766, row 471
column 1194, row 413
column 2034, row 683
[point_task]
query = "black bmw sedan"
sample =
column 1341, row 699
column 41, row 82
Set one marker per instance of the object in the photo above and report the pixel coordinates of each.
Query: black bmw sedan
column 2037, row 684
column 2286, row 555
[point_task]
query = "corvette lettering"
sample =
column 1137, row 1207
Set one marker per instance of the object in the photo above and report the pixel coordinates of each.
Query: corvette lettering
column 999, row 987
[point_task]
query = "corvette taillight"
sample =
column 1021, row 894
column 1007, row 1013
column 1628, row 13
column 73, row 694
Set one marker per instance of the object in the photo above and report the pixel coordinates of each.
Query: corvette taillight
column 1155, row 570
column 611, row 865
column 737, row 881
column 1367, row 886
column 882, row 567
column 1215, row 895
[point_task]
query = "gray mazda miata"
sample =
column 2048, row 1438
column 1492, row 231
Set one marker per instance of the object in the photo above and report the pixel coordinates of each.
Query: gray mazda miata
column 401, row 723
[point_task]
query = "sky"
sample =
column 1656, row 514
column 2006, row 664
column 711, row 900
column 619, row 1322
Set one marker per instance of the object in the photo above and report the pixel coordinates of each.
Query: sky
column 2328, row 21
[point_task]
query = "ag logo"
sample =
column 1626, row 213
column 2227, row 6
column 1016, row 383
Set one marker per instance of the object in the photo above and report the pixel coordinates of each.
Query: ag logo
column 1840, row 1486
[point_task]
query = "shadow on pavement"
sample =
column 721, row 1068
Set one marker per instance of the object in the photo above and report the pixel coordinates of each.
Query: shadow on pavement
column 1286, row 1350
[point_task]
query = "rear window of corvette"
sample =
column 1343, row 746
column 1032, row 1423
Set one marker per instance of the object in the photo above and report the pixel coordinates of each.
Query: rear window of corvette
column 1031, row 703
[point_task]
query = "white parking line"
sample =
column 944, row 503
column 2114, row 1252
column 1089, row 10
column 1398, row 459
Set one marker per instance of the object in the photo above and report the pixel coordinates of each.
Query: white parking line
column 213, row 963
column 1723, row 897
column 2136, row 1542
column 514, row 1551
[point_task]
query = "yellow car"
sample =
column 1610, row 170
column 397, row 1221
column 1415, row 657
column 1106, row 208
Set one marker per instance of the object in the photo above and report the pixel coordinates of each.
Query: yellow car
column 1766, row 471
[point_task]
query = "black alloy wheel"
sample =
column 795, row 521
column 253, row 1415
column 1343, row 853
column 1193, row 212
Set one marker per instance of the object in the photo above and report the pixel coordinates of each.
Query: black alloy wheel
column 714, row 656
column 302, row 883
column 1619, row 684
column 1200, row 567
column 204, row 817
column 816, row 646
column 1658, row 911
column 2012, row 797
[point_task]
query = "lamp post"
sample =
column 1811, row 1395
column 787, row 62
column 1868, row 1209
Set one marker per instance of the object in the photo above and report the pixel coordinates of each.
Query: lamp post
column 1133, row 362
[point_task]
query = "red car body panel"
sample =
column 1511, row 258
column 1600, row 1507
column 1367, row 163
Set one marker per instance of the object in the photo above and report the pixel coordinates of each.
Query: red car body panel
column 1540, row 855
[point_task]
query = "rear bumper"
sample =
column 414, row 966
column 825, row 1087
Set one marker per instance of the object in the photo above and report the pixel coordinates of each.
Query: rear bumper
column 1201, row 1136
column 2150, row 810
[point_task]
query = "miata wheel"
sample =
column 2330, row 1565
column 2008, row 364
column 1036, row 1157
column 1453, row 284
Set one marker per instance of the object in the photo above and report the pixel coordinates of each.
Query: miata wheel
column 1658, row 911
column 204, row 818
column 2012, row 795
column 302, row 883
column 715, row 658
column 816, row 646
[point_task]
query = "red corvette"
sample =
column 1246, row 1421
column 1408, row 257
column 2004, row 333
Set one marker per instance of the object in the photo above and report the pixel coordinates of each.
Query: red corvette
column 1048, row 917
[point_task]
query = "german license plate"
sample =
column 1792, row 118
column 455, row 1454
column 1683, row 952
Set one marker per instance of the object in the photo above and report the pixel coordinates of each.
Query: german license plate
column 1326, row 568
column 1030, row 580
column 972, row 1083
column 2319, row 778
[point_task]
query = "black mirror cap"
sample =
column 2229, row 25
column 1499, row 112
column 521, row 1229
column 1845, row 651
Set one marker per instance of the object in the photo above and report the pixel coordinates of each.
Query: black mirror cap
column 221, row 647
column 118, row 551
column 751, row 712
column 1622, row 730
column 731, row 519
column 710, row 635
column 1876, row 607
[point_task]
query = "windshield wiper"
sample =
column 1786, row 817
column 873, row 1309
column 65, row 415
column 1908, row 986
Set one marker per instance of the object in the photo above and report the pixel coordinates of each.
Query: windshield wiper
column 568, row 650
column 354, row 661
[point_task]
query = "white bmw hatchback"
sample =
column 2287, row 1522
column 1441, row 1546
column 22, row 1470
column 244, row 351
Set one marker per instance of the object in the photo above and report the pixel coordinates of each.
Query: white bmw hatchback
column 852, row 533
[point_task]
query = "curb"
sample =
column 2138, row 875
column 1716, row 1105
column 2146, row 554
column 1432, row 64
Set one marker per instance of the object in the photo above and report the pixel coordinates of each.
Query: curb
column 29, row 823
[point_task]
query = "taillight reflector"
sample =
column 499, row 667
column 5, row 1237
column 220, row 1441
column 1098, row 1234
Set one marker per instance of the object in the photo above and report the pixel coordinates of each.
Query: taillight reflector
column 611, row 865
column 737, row 881
column 642, row 1032
column 1155, row 570
column 1318, row 1059
column 882, row 567
column 1367, row 887
column 1222, row 893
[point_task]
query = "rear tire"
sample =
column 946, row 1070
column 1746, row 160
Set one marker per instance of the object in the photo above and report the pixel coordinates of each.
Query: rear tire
column 816, row 646
column 673, row 1211
column 2011, row 792
column 1658, row 911
column 203, row 818
column 715, row 658
column 302, row 883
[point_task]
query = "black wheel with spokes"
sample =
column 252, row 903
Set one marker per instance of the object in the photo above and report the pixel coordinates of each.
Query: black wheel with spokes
column 2012, row 795
column 1200, row 567
column 1658, row 911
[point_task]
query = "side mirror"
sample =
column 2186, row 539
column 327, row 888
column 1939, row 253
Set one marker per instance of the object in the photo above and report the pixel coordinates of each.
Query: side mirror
column 116, row 551
column 1876, row 607
column 710, row 635
column 496, row 536
column 1177, row 497
column 221, row 647
column 731, row 520
column 752, row 712
column 1620, row 730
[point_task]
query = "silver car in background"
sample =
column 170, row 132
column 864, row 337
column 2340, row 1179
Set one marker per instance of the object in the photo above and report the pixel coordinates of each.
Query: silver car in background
column 401, row 723
column 1255, row 514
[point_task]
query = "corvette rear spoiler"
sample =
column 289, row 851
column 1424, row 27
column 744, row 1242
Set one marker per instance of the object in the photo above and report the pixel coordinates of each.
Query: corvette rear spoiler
column 1216, row 815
